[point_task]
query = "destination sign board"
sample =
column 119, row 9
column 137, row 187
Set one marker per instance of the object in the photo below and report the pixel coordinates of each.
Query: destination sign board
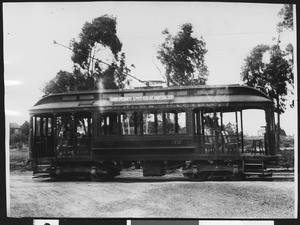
column 142, row 98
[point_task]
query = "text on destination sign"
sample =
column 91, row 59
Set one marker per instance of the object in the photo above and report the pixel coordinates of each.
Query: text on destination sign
column 142, row 98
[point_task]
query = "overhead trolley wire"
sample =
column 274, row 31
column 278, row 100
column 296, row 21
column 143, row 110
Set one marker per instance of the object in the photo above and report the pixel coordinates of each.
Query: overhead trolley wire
column 147, row 83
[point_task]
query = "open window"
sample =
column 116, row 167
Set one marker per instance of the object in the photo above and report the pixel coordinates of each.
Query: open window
column 65, row 129
column 73, row 134
column 152, row 123
column 108, row 124
column 219, row 130
column 83, row 134
column 175, row 122
column 255, row 131
column 128, row 123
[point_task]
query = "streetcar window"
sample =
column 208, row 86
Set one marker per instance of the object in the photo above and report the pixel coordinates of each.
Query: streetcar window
column 44, row 126
column 232, row 127
column 175, row 122
column 152, row 123
column 38, row 126
column 108, row 124
column 49, row 127
column 229, row 123
column 197, row 119
column 181, row 122
column 102, row 124
column 59, row 127
column 209, row 123
column 64, row 127
column 128, row 123
column 196, row 122
column 82, row 126
column 212, row 127
column 170, row 123
column 159, row 123
column 149, row 123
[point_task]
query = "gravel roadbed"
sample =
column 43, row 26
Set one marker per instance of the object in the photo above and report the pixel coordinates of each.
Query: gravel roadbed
column 132, row 196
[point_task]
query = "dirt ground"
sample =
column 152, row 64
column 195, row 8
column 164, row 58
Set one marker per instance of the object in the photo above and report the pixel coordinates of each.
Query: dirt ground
column 132, row 196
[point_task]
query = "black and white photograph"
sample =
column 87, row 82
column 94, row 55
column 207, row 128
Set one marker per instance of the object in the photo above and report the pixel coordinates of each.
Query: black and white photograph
column 150, row 110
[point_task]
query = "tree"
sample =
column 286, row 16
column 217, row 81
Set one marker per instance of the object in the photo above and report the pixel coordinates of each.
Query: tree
column 65, row 82
column 95, row 37
column 22, row 137
column 24, row 128
column 90, row 72
column 254, row 66
column 230, row 128
column 286, row 13
column 276, row 76
column 183, row 57
column 273, row 76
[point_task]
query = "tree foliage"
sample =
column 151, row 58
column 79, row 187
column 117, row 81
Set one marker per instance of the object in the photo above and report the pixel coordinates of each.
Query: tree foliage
column 93, row 37
column 16, row 139
column 65, row 82
column 286, row 13
column 183, row 57
column 24, row 128
column 273, row 76
column 100, row 32
column 230, row 128
column 90, row 72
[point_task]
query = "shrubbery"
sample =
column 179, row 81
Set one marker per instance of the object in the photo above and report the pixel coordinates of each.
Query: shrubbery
column 287, row 158
column 16, row 140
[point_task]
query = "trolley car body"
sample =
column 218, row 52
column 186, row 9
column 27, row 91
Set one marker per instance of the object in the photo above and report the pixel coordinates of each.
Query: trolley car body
column 97, row 133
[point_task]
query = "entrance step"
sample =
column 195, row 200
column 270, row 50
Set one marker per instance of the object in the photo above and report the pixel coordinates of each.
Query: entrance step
column 256, row 167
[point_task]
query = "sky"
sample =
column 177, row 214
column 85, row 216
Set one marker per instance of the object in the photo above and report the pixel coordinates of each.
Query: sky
column 230, row 30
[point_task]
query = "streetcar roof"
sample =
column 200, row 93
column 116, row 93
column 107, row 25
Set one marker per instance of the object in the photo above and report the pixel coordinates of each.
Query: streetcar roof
column 184, row 96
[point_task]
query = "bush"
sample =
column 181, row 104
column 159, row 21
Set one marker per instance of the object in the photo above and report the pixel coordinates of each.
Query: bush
column 19, row 159
column 287, row 158
column 286, row 142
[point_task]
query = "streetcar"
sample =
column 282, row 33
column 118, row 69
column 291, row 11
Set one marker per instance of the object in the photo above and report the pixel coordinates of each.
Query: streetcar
column 198, row 130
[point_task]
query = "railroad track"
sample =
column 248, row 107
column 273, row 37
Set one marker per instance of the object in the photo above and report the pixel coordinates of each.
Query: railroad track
column 177, row 176
column 137, row 176
column 276, row 176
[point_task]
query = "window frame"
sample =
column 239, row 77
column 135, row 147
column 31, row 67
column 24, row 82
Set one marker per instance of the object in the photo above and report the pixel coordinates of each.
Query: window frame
column 139, row 122
column 155, row 113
